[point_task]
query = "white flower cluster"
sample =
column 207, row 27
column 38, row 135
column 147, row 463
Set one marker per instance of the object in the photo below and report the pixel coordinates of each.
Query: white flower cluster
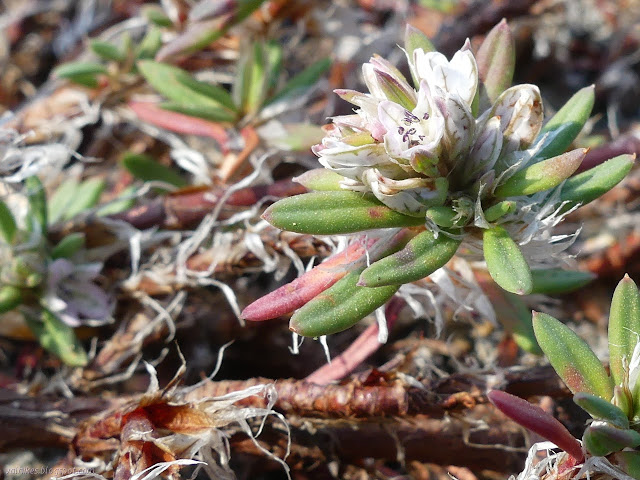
column 413, row 149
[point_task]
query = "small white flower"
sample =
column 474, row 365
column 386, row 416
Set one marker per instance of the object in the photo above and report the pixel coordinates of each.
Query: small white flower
column 413, row 137
column 73, row 297
column 458, row 76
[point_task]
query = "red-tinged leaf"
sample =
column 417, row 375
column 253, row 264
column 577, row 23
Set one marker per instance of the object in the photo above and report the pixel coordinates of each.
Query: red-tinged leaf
column 571, row 357
column 294, row 295
column 180, row 123
column 537, row 420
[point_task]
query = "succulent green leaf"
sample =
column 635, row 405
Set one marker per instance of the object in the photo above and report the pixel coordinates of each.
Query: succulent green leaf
column 301, row 82
column 10, row 298
column 320, row 179
column 331, row 213
column 37, row 204
column 7, row 223
column 147, row 169
column 499, row 210
column 505, row 262
column 180, row 87
column 542, row 175
column 601, row 439
column 422, row 256
column 600, row 409
column 496, row 60
column 571, row 357
column 624, row 327
column 215, row 114
column 567, row 123
column 553, row 281
column 150, row 44
column 157, row 16
column 68, row 246
column 339, row 307
column 86, row 197
column 75, row 69
column 107, row 51
column 587, row 186
column 445, row 217
column 254, row 78
column 57, row 337
column 628, row 462
column 61, row 200
column 273, row 60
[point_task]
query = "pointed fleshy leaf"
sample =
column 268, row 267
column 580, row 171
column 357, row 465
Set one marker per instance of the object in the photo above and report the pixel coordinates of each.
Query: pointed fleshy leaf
column 300, row 83
column 150, row 44
column 600, row 409
column 10, row 298
column 86, row 197
column 320, row 179
column 624, row 327
column 571, row 357
column 74, row 69
column 57, row 337
column 295, row 294
column 446, row 217
column 180, row 87
column 214, row 114
column 505, row 262
column 61, row 199
column 499, row 210
column 339, row 307
column 537, row 420
column 68, row 246
column 107, row 51
column 542, row 175
column 628, row 462
column 37, row 204
column 156, row 15
column 273, row 57
column 147, row 169
column 496, row 61
column 7, row 223
column 253, row 79
column 567, row 123
column 601, row 439
column 422, row 256
column 553, row 281
column 587, row 186
column 512, row 313
column 332, row 213
column 203, row 30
